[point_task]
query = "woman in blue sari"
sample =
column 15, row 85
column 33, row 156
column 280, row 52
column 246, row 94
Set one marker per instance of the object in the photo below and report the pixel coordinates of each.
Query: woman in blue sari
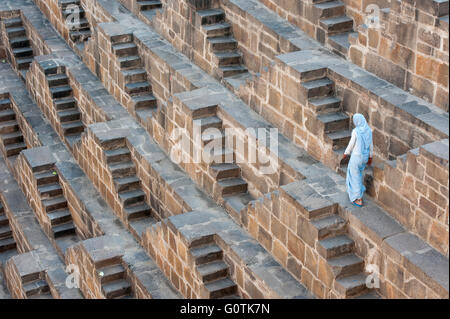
column 361, row 150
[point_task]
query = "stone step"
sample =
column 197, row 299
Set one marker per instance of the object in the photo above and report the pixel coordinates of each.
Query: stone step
column 116, row 289
column 62, row 230
column 23, row 52
column 144, row 101
column 61, row 91
column 134, row 75
column 3, row 220
column 12, row 22
column 217, row 30
column 219, row 156
column 111, row 273
column 15, row 32
column 211, row 16
column 69, row 115
column 15, row 149
column 68, row 12
column 329, row 226
column 129, row 198
column 7, row 115
column 125, row 49
column 335, row 246
column 24, row 63
column 81, row 24
column 7, row 244
column 138, row 87
column 340, row 43
column 72, row 139
column 149, row 5
column 352, row 285
column 232, row 186
column 65, row 3
column 206, row 254
column 338, row 24
column 230, row 70
column 50, row 190
column 228, row 58
column 47, row 177
column 312, row 204
column 109, row 261
column 74, row 127
column 137, row 211
column 5, row 232
column 130, row 61
column 330, row 9
column 236, row 203
column 224, row 171
column 58, row 217
column 65, row 103
column 122, row 169
column 81, row 35
column 37, row 287
column 318, row 88
column 60, row 79
column 208, row 122
column 9, row 127
column 368, row 295
column 54, row 203
column 219, row 44
column 346, row 265
column 21, row 42
column 325, row 104
column 213, row 271
column 339, row 139
column 333, row 122
column 127, row 183
column 221, row 288
column 5, row 104
column 218, row 137
column 118, row 155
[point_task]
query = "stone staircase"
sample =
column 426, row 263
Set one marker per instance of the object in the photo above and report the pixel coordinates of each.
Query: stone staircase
column 133, row 76
column 36, row 287
column 330, row 234
column 113, row 279
column 336, row 25
column 12, row 140
column 20, row 51
column 327, row 107
column 129, row 189
column 213, row 271
column 79, row 31
column 227, row 58
column 7, row 241
column 67, row 111
column 146, row 5
column 229, row 187
column 55, row 204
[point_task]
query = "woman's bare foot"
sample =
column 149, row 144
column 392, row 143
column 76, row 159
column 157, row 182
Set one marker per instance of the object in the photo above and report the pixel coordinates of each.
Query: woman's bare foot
column 359, row 202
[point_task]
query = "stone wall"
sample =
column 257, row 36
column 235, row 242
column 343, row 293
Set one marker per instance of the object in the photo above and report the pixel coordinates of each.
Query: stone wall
column 415, row 190
column 409, row 49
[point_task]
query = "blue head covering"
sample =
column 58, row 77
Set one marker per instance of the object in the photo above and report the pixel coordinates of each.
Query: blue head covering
column 363, row 132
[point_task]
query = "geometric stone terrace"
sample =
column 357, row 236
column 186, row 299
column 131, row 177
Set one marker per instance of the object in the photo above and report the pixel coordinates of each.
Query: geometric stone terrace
column 105, row 106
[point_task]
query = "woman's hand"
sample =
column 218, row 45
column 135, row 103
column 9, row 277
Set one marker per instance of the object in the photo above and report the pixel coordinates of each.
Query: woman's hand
column 369, row 162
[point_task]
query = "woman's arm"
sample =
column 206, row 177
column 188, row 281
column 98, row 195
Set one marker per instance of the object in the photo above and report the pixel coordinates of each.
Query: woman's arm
column 352, row 144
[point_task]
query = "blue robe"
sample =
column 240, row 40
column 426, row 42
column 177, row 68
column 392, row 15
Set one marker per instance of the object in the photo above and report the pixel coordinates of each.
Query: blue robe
column 358, row 159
